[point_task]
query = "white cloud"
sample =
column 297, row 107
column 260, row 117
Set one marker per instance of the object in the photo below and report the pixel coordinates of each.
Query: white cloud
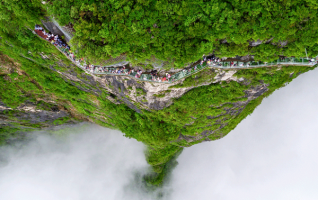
column 94, row 163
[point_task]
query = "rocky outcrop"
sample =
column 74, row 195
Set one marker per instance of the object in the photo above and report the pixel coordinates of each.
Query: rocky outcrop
column 55, row 29
column 237, row 107
column 255, row 43
column 28, row 113
column 138, row 94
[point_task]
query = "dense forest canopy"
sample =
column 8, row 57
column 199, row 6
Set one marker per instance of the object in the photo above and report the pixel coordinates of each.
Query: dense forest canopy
column 181, row 31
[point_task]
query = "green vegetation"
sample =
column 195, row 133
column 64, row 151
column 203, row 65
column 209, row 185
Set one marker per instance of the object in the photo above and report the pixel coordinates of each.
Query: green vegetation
column 140, row 92
column 180, row 32
column 199, row 110
column 162, row 94
column 176, row 32
column 197, row 79
column 148, row 66
column 11, row 131
column 60, row 121
column 162, row 171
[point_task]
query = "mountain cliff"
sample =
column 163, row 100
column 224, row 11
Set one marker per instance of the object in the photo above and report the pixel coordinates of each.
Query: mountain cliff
column 44, row 89
column 41, row 88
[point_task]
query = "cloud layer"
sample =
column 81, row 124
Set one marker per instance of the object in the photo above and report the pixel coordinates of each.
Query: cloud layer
column 270, row 155
column 91, row 162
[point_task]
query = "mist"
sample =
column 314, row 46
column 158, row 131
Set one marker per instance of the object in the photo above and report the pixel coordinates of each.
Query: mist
column 272, row 154
column 81, row 162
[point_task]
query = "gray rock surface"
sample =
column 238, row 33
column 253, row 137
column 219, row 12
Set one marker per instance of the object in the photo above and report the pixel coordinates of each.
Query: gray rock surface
column 255, row 43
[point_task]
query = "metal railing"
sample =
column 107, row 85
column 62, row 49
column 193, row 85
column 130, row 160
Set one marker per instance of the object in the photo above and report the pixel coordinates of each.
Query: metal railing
column 100, row 70
column 253, row 64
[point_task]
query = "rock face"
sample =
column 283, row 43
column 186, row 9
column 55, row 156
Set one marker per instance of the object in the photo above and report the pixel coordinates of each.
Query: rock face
column 238, row 107
column 88, row 99
column 57, row 30
column 255, row 43
column 29, row 112
column 14, row 122
column 138, row 94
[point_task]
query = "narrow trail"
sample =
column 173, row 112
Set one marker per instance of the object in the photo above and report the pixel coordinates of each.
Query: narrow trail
column 122, row 71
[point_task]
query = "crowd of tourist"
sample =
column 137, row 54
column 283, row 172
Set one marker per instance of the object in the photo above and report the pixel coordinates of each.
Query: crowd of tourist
column 54, row 39
column 152, row 76
column 58, row 42
column 215, row 61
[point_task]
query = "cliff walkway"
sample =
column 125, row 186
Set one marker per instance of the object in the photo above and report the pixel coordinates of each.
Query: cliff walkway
column 215, row 63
